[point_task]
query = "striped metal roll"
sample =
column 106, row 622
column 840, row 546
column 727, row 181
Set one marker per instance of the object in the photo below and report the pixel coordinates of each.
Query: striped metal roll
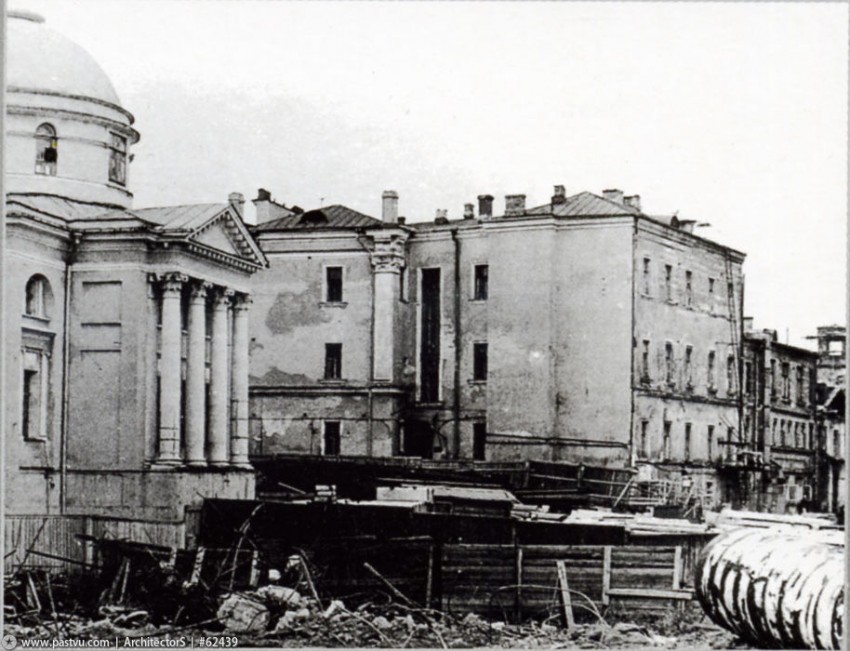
column 775, row 588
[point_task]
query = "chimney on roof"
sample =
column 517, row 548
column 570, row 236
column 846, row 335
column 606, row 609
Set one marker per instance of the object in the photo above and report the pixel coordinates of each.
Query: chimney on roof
column 389, row 207
column 402, row 220
column 633, row 201
column 442, row 216
column 263, row 204
column 237, row 202
column 560, row 195
column 485, row 206
column 468, row 211
column 613, row 195
column 687, row 225
column 514, row 204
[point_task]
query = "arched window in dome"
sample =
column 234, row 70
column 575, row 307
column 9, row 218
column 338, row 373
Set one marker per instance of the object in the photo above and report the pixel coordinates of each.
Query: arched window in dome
column 118, row 159
column 39, row 297
column 46, row 150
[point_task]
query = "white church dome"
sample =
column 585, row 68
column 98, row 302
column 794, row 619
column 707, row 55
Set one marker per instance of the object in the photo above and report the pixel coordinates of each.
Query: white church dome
column 42, row 59
column 68, row 135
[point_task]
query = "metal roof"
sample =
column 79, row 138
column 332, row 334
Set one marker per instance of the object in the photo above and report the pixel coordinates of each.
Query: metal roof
column 55, row 206
column 327, row 217
column 584, row 204
column 181, row 218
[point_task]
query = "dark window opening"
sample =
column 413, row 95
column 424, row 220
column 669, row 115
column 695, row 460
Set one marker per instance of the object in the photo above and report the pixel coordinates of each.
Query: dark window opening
column 331, row 437
column 47, row 150
column 30, row 399
column 665, row 450
column 710, row 437
column 710, row 373
column 689, row 291
column 333, row 361
column 333, row 276
column 118, row 159
column 671, row 363
column 644, row 362
column 429, row 355
column 644, row 439
column 479, row 362
column 481, row 279
column 418, row 439
column 687, row 441
column 479, row 441
column 668, row 282
column 646, row 263
column 689, row 354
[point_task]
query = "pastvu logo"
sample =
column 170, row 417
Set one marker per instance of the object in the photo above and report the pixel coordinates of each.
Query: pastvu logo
column 8, row 641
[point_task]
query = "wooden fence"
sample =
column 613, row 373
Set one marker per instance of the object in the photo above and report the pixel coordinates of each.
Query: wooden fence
column 50, row 541
column 521, row 582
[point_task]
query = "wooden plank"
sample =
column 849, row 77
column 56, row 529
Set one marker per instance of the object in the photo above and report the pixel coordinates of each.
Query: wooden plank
column 565, row 594
column 606, row 574
column 651, row 594
column 518, row 583
column 677, row 569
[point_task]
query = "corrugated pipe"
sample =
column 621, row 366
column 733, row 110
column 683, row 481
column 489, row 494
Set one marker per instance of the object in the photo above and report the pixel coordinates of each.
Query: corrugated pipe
column 775, row 588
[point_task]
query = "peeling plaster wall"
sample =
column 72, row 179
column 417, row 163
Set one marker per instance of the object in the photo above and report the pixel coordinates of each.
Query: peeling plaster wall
column 291, row 322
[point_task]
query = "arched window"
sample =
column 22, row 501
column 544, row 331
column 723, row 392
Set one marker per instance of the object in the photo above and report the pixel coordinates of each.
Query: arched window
column 118, row 159
column 39, row 298
column 46, row 150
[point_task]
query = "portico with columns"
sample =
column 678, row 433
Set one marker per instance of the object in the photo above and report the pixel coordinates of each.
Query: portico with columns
column 203, row 380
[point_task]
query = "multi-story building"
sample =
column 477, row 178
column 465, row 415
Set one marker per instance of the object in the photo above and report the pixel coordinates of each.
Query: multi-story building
column 775, row 464
column 581, row 330
column 126, row 330
column 831, row 396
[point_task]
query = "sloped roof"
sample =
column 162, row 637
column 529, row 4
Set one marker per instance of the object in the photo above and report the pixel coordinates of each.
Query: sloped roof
column 56, row 206
column 584, row 204
column 181, row 218
column 327, row 217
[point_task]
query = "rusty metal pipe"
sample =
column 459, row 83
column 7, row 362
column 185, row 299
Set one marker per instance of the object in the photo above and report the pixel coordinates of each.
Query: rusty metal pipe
column 775, row 588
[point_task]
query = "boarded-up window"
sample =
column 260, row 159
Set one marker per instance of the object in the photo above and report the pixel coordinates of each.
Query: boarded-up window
column 479, row 361
column 333, row 361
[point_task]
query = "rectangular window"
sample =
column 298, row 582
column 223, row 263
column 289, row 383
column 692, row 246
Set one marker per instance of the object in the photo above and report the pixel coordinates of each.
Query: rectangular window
column 687, row 441
column 331, row 438
column 118, row 159
column 34, row 395
column 644, row 439
column 480, row 289
column 786, row 381
column 711, row 288
column 665, row 450
column 429, row 343
column 689, row 376
column 710, row 440
column 836, row 443
column 644, row 362
column 749, row 378
column 668, row 282
column 670, row 364
column 800, row 384
column 773, row 378
column 710, row 378
column 730, row 447
column 402, row 284
column 646, row 279
column 689, row 290
column 479, row 362
column 730, row 373
column 333, row 284
column 479, row 441
column 333, row 361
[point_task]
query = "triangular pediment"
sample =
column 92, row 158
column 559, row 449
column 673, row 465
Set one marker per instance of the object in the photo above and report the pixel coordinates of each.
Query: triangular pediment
column 216, row 237
column 227, row 234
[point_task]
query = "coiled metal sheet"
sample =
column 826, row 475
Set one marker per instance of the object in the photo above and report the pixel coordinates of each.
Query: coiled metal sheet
column 775, row 588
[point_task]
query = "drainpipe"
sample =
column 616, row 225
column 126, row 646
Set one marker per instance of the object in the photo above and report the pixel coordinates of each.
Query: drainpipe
column 70, row 259
column 457, row 339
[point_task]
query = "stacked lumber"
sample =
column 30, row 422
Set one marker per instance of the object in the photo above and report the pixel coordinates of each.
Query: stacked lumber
column 640, row 524
column 729, row 519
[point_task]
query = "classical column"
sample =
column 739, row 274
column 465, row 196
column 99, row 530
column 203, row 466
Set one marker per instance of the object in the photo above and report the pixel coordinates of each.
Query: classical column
column 219, row 395
column 169, row 370
column 195, row 381
column 239, row 383
column 387, row 260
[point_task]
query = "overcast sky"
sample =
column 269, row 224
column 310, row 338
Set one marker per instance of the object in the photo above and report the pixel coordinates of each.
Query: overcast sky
column 733, row 114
